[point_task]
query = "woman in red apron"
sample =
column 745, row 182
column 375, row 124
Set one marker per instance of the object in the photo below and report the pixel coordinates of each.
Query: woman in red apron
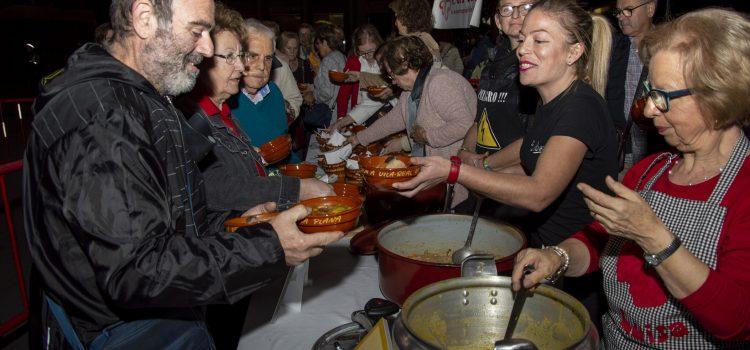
column 676, row 262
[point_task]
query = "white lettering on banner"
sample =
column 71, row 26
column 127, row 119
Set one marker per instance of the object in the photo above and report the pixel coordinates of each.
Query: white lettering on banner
column 454, row 14
column 492, row 96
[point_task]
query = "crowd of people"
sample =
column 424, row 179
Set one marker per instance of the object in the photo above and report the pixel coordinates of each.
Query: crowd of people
column 148, row 142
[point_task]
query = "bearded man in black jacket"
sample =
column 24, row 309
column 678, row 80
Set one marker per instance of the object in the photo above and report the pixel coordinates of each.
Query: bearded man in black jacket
column 114, row 203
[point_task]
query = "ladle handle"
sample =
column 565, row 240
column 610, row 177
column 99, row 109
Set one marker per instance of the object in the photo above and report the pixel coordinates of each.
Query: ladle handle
column 518, row 301
column 474, row 221
column 448, row 199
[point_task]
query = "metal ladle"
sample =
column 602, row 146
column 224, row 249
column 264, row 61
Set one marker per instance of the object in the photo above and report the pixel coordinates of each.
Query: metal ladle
column 508, row 341
column 461, row 254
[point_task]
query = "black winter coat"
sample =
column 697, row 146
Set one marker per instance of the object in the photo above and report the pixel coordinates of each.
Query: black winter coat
column 115, row 209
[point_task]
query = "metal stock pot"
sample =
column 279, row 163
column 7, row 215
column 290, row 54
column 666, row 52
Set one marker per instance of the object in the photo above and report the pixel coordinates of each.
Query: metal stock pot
column 472, row 313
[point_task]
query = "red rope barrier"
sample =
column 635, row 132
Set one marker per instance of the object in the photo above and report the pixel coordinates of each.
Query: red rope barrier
column 16, row 100
column 21, row 317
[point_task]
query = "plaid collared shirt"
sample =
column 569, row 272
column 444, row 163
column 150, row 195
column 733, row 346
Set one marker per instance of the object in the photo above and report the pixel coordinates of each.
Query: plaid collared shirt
column 632, row 77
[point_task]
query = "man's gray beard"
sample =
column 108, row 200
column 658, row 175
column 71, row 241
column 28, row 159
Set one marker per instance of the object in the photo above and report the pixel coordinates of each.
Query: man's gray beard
column 165, row 64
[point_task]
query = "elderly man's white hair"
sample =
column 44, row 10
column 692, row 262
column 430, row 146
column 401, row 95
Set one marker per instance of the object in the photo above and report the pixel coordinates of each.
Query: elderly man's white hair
column 255, row 27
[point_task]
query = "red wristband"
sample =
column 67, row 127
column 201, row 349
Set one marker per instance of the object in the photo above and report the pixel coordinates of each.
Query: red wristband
column 455, row 168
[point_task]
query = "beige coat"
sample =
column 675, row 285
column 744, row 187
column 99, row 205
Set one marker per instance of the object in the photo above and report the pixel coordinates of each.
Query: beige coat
column 446, row 112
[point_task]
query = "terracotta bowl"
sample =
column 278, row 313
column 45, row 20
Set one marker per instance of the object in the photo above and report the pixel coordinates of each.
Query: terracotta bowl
column 324, row 147
column 376, row 90
column 339, row 169
column 301, row 170
column 374, row 149
column 332, row 168
column 337, row 77
column 315, row 222
column 348, row 190
column 233, row 224
column 354, row 177
column 321, row 140
column 377, row 175
column 357, row 128
column 277, row 149
column 343, row 221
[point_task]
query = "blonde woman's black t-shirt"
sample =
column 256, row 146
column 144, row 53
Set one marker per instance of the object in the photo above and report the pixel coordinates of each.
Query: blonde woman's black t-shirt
column 580, row 113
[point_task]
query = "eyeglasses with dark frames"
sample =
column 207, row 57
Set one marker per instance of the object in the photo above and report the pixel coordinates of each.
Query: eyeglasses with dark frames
column 661, row 98
column 508, row 10
column 233, row 57
column 628, row 11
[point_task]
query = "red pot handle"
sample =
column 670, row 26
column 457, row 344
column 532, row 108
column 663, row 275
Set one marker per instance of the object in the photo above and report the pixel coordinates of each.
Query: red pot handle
column 365, row 242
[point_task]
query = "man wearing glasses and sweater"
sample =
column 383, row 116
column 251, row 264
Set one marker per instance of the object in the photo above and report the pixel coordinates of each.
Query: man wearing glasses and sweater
column 635, row 19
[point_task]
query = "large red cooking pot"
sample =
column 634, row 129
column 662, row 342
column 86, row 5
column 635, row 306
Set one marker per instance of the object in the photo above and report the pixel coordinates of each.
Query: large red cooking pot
column 415, row 252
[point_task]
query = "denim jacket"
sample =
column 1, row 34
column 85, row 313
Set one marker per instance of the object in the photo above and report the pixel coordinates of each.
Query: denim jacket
column 232, row 180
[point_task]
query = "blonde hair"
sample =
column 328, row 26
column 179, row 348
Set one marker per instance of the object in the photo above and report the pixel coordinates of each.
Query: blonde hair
column 597, row 68
column 715, row 51
column 592, row 66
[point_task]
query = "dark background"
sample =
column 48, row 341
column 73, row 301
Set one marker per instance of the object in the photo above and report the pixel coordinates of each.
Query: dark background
column 57, row 27
column 39, row 35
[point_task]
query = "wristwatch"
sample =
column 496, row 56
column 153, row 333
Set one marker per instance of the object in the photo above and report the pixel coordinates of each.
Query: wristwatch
column 654, row 260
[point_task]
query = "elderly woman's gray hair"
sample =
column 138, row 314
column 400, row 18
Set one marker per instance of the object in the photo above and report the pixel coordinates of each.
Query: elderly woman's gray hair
column 255, row 27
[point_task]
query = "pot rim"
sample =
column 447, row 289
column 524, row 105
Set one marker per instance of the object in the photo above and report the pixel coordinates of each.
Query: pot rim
column 381, row 248
column 437, row 288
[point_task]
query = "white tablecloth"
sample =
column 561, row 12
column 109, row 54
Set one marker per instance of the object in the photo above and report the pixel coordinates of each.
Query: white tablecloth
column 340, row 283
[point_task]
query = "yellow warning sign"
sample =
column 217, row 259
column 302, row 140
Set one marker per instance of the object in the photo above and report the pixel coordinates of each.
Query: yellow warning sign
column 485, row 136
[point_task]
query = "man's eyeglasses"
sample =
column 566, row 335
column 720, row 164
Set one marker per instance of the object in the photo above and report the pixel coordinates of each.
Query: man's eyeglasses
column 233, row 57
column 628, row 11
column 661, row 98
column 507, row 10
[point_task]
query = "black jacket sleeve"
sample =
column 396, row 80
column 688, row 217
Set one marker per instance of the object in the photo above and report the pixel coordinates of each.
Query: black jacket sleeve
column 234, row 186
column 615, row 90
column 116, row 201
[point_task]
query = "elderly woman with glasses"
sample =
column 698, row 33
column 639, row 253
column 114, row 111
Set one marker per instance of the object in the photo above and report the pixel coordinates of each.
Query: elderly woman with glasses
column 673, row 240
column 234, row 173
